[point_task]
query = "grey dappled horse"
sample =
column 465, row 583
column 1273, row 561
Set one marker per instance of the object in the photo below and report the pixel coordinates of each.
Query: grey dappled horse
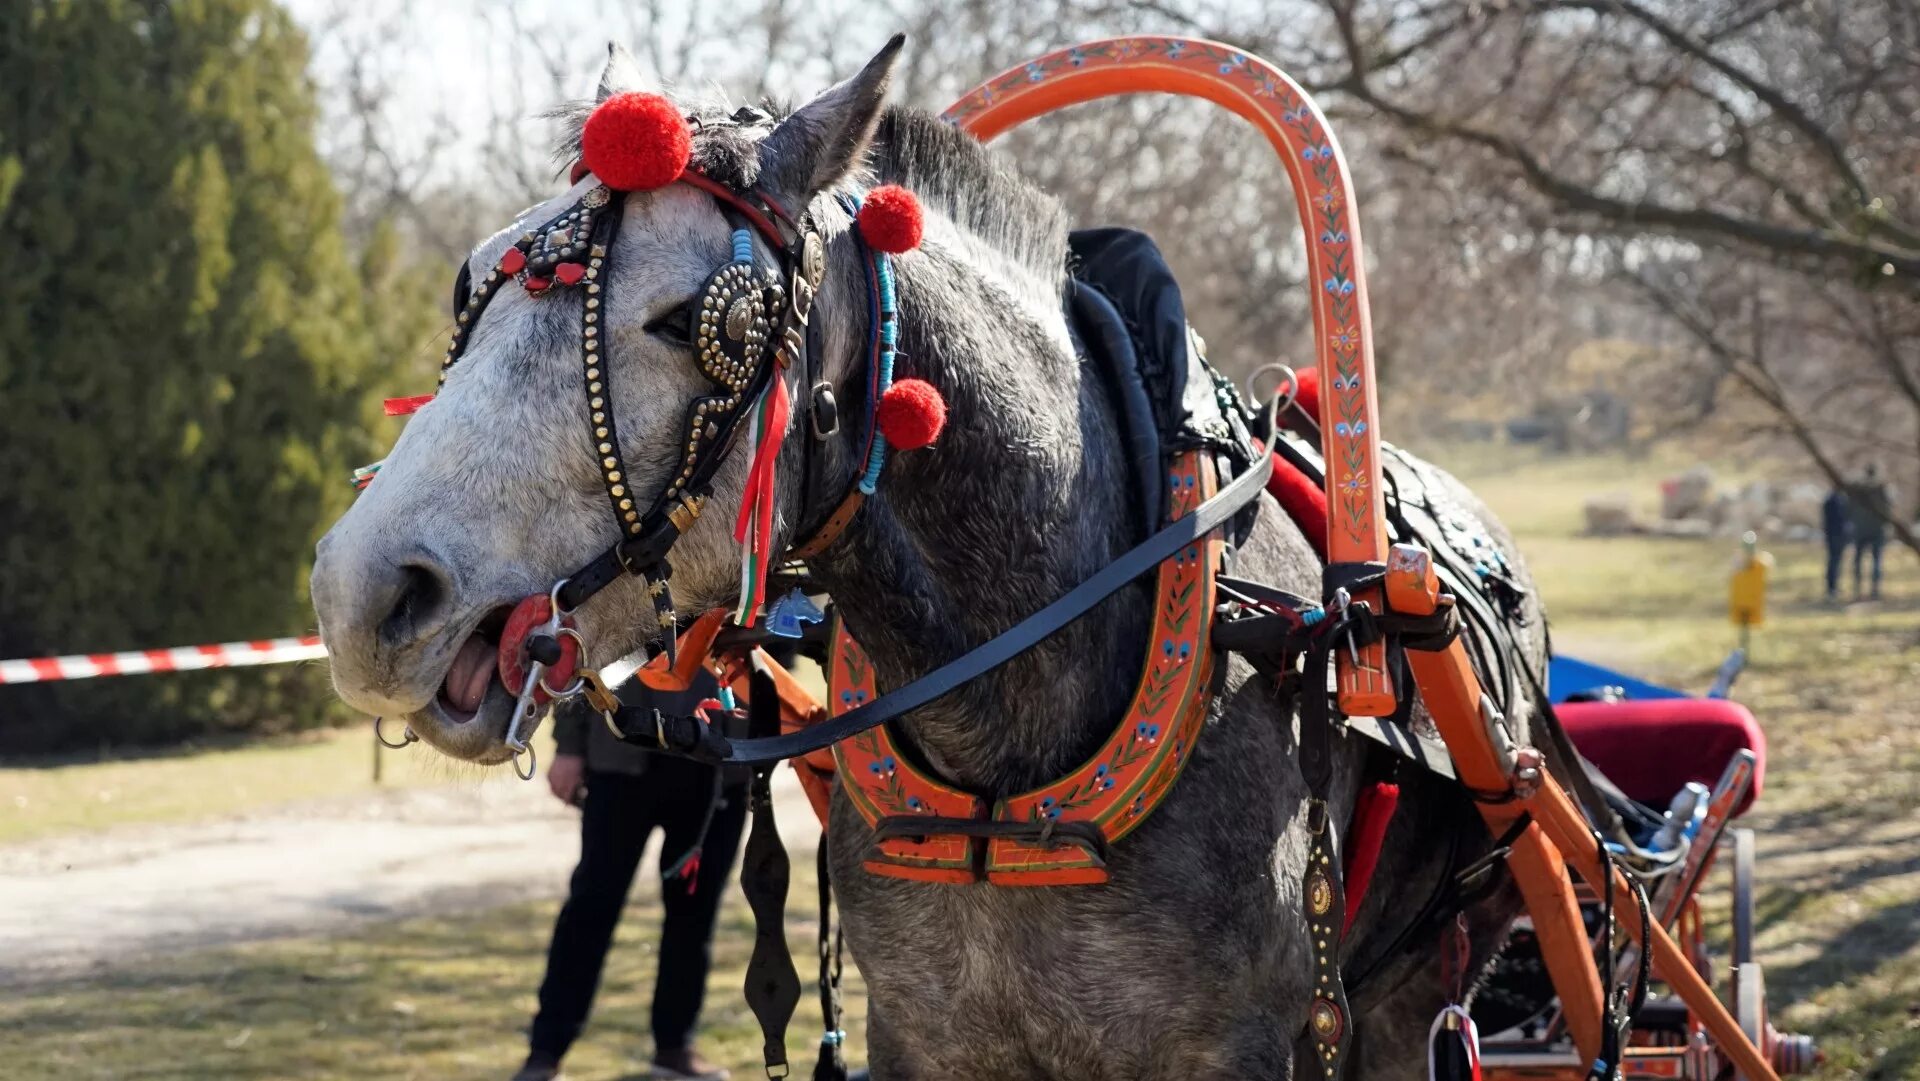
column 1192, row 962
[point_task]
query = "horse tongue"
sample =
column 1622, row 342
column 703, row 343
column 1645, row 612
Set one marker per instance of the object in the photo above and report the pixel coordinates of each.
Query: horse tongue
column 471, row 672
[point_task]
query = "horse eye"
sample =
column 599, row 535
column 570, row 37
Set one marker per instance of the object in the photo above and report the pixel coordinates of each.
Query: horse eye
column 675, row 327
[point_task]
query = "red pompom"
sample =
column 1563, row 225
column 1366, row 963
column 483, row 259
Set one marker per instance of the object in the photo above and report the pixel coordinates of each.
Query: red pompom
column 636, row 142
column 911, row 414
column 890, row 219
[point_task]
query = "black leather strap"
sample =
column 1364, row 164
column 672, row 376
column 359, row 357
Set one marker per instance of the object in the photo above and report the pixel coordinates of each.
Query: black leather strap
column 1088, row 837
column 1329, row 1017
column 832, row 1064
column 640, row 726
column 773, row 986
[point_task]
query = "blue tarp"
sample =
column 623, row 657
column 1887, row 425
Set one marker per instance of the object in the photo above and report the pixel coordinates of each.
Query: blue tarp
column 1568, row 676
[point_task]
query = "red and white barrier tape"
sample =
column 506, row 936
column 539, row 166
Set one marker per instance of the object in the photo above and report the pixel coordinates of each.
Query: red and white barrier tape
column 179, row 659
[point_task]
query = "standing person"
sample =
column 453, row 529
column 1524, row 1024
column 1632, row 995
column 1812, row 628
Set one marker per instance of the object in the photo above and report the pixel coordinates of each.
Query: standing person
column 624, row 794
column 1870, row 504
column 1836, row 525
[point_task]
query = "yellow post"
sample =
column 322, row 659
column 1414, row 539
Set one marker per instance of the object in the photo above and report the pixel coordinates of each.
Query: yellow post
column 1747, row 588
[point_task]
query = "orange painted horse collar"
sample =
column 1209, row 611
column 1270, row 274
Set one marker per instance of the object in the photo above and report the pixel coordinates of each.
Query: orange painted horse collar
column 1056, row 834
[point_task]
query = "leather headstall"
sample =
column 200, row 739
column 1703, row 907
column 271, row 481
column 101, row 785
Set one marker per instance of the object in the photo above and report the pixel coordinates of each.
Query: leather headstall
column 749, row 324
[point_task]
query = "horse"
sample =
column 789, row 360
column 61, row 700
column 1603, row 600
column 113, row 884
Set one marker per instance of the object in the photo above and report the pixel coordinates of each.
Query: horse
column 1193, row 959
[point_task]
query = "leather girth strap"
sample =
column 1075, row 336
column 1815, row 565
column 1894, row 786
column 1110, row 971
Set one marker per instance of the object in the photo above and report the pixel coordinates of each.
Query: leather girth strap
column 1329, row 1020
column 772, row 985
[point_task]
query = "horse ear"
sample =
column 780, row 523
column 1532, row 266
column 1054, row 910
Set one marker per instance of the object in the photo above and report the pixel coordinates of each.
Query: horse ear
column 826, row 139
column 622, row 72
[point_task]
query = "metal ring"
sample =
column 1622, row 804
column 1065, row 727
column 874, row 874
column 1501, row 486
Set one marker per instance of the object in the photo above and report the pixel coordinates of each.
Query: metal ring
column 533, row 763
column 408, row 738
column 578, row 685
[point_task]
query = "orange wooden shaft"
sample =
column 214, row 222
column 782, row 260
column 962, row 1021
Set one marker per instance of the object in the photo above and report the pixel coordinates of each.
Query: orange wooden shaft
column 1554, row 810
column 1280, row 109
column 1452, row 694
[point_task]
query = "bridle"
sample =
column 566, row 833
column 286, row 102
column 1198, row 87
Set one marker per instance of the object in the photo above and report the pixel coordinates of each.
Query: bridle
column 750, row 325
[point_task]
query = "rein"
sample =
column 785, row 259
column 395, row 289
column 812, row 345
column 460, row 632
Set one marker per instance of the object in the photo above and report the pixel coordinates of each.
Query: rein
column 691, row 737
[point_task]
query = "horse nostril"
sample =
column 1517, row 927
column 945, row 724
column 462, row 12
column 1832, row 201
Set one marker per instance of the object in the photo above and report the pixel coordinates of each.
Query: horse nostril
column 421, row 598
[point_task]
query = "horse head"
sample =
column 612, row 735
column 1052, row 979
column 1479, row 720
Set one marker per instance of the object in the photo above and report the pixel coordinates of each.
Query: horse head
column 524, row 467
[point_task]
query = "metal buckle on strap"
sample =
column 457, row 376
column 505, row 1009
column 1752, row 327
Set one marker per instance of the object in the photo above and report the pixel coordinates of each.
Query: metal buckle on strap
column 684, row 510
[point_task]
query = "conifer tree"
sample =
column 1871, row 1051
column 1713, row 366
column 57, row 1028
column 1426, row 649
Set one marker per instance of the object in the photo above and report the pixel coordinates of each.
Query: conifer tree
column 189, row 358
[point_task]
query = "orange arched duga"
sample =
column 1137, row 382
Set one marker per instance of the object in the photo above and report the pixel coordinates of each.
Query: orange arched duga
column 1343, row 336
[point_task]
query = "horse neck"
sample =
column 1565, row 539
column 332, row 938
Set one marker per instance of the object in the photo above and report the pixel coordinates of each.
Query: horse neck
column 1023, row 497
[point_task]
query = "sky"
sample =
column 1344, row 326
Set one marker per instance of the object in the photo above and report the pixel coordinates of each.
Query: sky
column 449, row 66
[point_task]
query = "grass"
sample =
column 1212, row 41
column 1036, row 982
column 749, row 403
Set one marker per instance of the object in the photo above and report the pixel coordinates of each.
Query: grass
column 423, row 998
column 45, row 797
column 1839, row 824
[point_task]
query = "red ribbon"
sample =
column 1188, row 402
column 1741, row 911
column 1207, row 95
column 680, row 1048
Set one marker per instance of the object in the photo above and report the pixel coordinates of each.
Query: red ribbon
column 756, row 503
column 400, row 407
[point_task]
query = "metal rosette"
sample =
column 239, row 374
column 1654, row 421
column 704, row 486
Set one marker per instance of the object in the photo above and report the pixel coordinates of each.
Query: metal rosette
column 730, row 343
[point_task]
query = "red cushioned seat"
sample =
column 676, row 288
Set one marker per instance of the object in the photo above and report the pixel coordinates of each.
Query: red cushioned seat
column 1652, row 748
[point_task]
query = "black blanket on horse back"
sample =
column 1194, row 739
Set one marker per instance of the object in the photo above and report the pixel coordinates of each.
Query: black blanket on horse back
column 1124, row 309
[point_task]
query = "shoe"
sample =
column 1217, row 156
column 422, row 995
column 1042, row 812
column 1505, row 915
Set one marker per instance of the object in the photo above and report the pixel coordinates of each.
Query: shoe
column 685, row 1064
column 539, row 1067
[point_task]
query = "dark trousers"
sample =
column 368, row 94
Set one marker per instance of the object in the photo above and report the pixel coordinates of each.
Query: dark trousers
column 621, row 811
column 1861, row 548
column 1836, row 556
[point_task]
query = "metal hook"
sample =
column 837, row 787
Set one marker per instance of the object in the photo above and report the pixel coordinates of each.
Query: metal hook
column 407, row 738
column 1284, row 391
column 553, row 601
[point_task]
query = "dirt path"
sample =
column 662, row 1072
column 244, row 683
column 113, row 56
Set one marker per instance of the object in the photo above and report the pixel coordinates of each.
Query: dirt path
column 90, row 902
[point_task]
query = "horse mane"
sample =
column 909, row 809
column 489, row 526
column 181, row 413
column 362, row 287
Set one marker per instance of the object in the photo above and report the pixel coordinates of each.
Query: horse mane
column 949, row 170
column 956, row 174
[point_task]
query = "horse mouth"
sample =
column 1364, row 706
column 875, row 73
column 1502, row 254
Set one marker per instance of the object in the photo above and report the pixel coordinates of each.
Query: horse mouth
column 474, row 671
column 469, row 714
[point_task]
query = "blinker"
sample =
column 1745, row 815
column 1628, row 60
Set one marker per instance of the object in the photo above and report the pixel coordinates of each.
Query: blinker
column 825, row 411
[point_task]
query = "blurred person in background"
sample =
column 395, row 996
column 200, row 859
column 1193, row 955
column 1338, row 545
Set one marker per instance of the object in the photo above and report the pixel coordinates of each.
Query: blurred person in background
column 624, row 795
column 1870, row 504
column 1836, row 526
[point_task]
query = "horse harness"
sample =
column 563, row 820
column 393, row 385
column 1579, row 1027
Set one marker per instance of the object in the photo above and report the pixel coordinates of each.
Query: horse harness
column 751, row 325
